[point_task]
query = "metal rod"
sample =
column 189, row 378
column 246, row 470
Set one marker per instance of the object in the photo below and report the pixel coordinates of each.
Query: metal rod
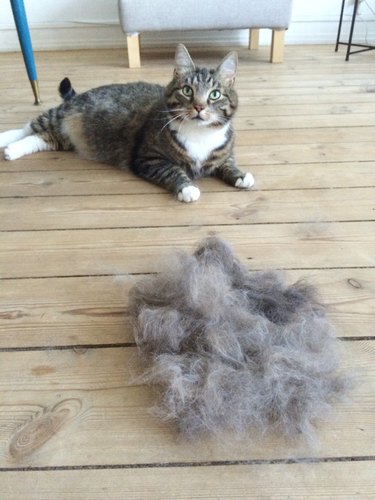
column 340, row 23
column 355, row 7
column 23, row 32
column 35, row 89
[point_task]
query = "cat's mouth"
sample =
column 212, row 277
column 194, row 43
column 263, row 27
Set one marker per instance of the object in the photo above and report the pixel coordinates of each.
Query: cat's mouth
column 201, row 117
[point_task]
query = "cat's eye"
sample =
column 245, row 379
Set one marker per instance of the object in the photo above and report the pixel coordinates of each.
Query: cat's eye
column 187, row 91
column 215, row 95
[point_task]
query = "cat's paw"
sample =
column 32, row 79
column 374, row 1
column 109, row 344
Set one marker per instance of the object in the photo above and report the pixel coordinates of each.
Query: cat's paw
column 12, row 153
column 189, row 194
column 246, row 182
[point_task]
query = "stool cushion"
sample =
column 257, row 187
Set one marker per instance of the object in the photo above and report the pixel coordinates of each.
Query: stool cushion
column 138, row 16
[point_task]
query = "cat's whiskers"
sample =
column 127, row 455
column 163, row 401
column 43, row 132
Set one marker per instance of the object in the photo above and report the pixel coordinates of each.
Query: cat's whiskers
column 182, row 123
column 168, row 111
column 220, row 121
column 172, row 110
column 173, row 119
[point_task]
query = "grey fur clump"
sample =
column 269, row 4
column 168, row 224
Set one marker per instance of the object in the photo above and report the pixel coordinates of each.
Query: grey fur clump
column 232, row 350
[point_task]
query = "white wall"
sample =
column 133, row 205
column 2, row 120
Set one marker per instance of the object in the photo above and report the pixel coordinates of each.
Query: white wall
column 70, row 24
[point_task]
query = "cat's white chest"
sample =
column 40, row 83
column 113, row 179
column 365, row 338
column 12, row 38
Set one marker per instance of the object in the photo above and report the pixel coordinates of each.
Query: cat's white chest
column 199, row 141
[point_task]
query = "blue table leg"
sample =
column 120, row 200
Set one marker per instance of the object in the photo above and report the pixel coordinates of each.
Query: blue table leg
column 20, row 19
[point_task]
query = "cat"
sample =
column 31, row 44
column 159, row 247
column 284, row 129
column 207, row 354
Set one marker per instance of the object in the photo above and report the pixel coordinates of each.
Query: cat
column 167, row 135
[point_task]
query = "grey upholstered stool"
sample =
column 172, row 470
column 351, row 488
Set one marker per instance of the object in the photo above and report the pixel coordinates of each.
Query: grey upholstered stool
column 139, row 16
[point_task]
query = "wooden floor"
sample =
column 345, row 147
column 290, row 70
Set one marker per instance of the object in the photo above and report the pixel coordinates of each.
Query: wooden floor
column 75, row 235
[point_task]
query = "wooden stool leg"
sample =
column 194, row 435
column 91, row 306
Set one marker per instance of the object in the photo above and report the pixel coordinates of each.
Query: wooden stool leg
column 134, row 55
column 254, row 39
column 277, row 46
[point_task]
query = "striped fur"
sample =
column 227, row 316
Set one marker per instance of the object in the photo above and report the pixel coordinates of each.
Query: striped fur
column 168, row 135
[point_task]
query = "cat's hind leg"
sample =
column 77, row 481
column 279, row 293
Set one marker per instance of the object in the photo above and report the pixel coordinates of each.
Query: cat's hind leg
column 14, row 135
column 22, row 141
column 28, row 145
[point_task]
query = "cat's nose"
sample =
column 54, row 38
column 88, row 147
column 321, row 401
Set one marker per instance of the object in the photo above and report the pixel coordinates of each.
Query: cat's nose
column 199, row 107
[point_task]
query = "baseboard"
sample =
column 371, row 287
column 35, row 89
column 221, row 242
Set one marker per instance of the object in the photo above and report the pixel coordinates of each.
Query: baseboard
column 90, row 36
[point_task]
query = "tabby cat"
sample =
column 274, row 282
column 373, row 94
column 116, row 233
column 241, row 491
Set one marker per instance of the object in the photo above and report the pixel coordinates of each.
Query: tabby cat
column 167, row 135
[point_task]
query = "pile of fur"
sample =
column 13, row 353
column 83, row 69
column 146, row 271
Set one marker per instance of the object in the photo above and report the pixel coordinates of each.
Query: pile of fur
column 234, row 350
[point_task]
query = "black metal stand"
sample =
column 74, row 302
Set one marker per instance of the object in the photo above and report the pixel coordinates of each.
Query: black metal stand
column 349, row 43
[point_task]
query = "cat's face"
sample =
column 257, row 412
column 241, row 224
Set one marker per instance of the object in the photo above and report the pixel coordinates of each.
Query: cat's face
column 203, row 96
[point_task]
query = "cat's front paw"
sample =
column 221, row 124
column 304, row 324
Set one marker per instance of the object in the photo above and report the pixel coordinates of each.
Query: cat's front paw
column 189, row 194
column 245, row 182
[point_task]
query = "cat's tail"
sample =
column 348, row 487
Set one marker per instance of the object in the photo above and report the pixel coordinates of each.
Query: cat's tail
column 66, row 90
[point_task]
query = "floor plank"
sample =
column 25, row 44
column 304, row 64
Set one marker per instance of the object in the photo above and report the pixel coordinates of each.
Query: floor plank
column 154, row 210
column 66, row 404
column 67, row 177
column 119, row 251
column 93, row 310
column 318, row 481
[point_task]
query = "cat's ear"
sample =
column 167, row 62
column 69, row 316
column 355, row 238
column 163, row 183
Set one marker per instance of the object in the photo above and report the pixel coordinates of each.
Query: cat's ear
column 183, row 62
column 226, row 71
